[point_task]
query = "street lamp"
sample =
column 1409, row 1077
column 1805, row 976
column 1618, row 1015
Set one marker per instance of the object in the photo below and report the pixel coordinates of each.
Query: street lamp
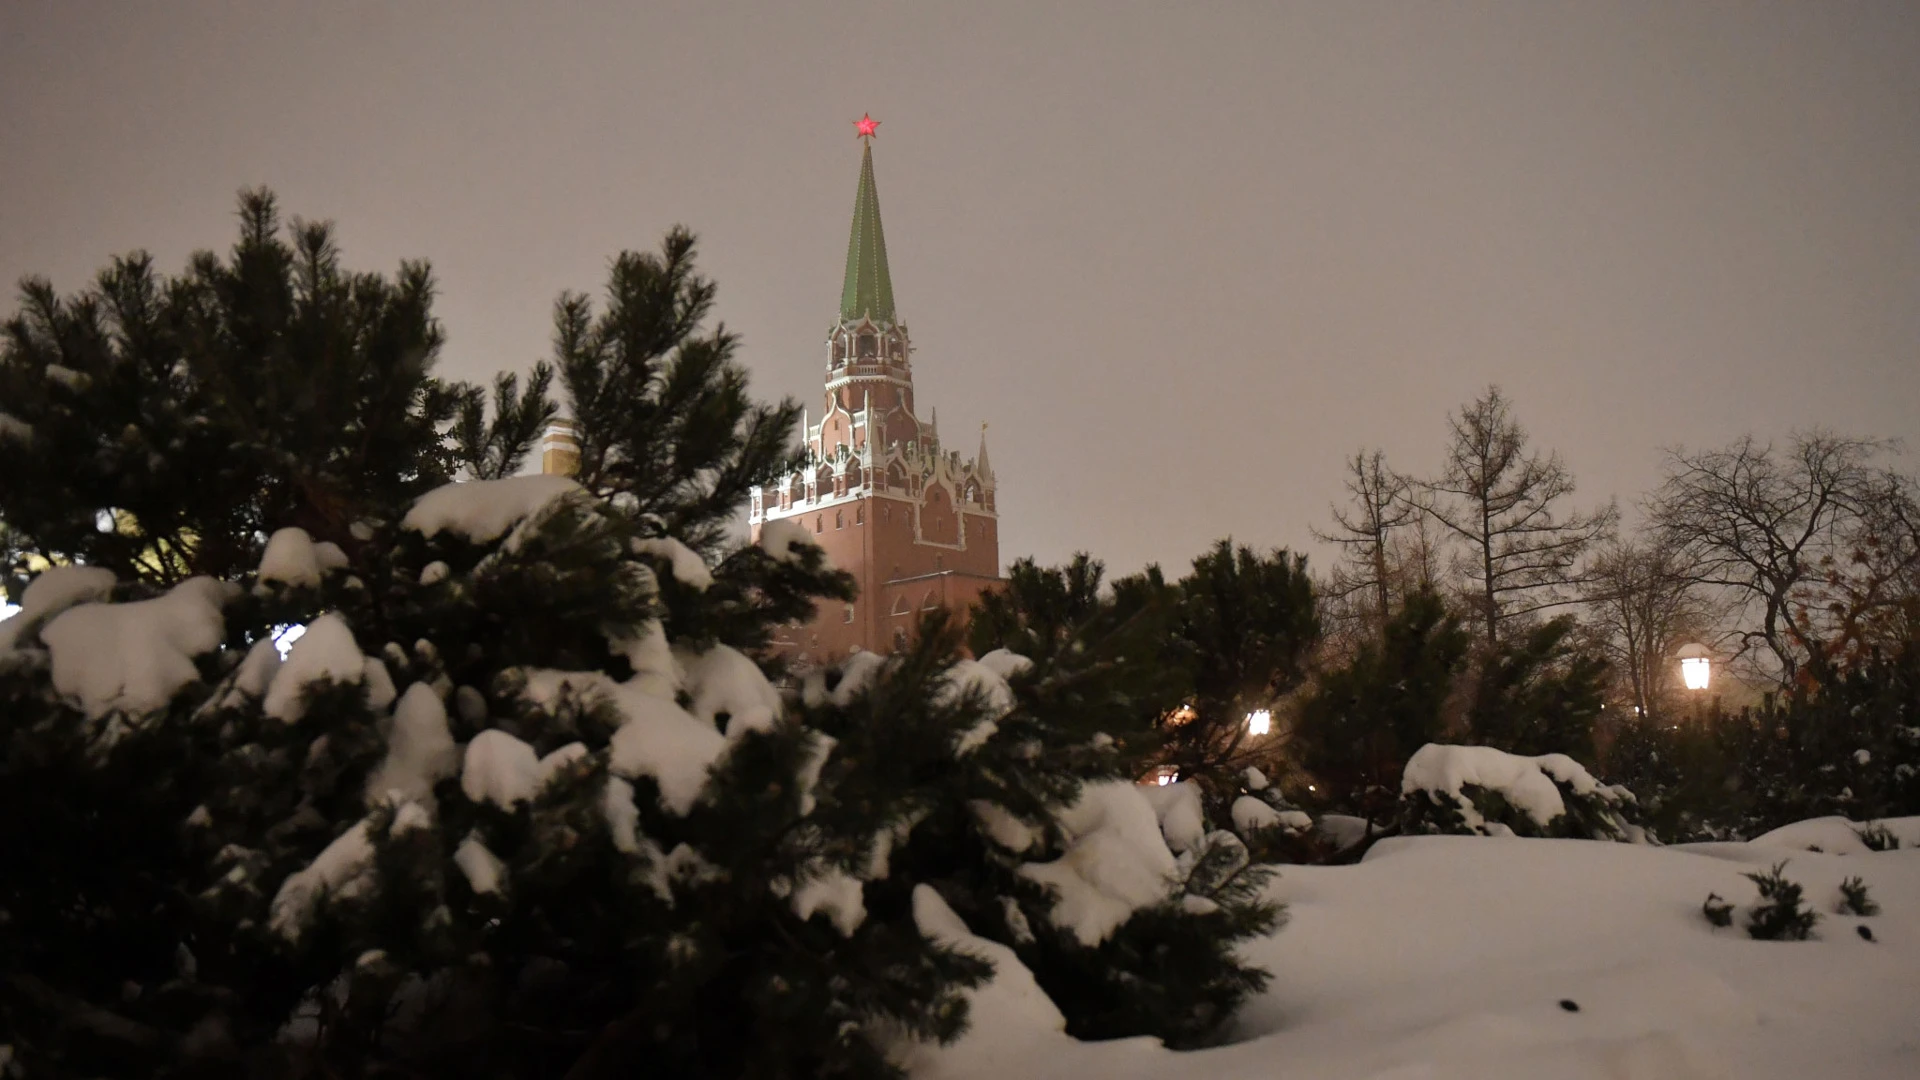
column 1696, row 669
column 1259, row 722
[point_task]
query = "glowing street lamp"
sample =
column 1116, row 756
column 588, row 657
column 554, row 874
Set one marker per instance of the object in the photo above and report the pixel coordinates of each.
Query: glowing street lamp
column 1259, row 722
column 1696, row 669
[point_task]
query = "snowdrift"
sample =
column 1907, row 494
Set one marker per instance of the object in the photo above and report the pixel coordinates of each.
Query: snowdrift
column 1450, row 957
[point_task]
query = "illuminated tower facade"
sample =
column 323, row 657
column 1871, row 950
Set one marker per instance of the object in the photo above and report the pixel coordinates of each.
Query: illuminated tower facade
column 914, row 522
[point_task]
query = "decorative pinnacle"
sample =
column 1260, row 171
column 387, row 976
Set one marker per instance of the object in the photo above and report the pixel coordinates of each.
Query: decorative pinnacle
column 866, row 127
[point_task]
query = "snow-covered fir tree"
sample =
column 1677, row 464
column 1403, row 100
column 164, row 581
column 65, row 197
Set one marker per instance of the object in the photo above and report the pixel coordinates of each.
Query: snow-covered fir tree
column 522, row 799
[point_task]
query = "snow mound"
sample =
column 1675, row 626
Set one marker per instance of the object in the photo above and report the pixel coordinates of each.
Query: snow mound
column 420, row 750
column 14, row 429
column 68, row 377
column 689, row 568
column 291, row 560
column 483, row 510
column 1009, row 1016
column 1837, row 835
column 971, row 677
column 1448, row 958
column 1014, row 1030
column 559, row 760
column 250, row 680
column 819, row 749
column 834, row 892
column 379, row 684
column 1251, row 814
column 329, row 555
column 1006, row 663
column 325, row 653
column 340, row 871
column 1003, row 828
column 1530, row 785
column 483, row 869
column 658, row 738
column 499, row 769
column 857, row 674
column 623, row 817
column 656, row 670
column 1116, row 861
column 1449, row 768
column 53, row 592
column 1182, row 817
column 780, row 539
column 723, row 680
column 132, row 658
column 1342, row 830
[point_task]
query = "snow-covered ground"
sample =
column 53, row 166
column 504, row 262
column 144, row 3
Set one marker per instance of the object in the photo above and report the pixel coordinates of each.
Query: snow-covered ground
column 1447, row 958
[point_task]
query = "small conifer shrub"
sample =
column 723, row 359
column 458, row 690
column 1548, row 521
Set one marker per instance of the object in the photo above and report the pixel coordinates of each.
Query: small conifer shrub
column 1782, row 914
column 1854, row 899
column 1717, row 910
column 1878, row 837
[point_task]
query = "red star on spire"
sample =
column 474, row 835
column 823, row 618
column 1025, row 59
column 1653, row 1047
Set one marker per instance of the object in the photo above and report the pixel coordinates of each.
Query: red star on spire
column 866, row 127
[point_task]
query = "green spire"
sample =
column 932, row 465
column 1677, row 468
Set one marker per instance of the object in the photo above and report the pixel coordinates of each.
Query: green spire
column 869, row 287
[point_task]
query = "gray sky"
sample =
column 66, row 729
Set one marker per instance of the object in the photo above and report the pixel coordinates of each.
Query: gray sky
column 1184, row 257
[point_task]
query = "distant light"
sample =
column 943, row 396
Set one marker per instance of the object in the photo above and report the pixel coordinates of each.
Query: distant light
column 1259, row 722
column 1165, row 775
column 285, row 636
column 1310, row 787
column 103, row 521
column 1696, row 666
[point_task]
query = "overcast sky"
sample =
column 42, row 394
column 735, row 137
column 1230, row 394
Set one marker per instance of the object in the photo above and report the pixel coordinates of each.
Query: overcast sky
column 1183, row 257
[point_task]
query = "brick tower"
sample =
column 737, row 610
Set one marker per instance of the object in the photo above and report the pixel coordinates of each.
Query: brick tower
column 912, row 521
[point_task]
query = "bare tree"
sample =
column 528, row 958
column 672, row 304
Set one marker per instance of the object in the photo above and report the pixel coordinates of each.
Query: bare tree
column 1501, row 501
column 1873, row 593
column 1643, row 605
column 1379, row 502
column 1815, row 542
column 1419, row 552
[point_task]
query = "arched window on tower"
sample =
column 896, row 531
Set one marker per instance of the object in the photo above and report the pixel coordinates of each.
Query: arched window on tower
column 818, row 519
column 860, row 514
column 868, row 346
column 839, row 519
column 900, row 605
